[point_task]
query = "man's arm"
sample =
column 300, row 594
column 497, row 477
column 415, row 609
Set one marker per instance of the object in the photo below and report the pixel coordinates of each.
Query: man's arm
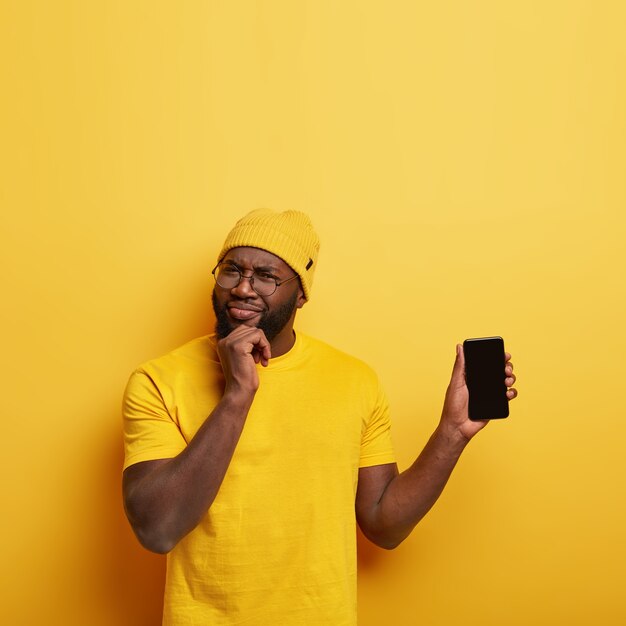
column 166, row 498
column 390, row 504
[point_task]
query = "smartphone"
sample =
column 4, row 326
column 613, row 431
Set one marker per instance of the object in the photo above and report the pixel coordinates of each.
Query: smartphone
column 484, row 374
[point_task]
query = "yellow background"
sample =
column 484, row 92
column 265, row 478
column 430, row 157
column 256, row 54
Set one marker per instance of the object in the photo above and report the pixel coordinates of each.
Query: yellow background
column 464, row 164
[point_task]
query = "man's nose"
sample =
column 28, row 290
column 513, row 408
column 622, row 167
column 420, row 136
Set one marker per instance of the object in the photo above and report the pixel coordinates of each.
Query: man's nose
column 244, row 288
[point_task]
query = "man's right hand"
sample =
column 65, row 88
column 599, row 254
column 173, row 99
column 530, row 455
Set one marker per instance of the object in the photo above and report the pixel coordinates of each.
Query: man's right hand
column 166, row 498
column 239, row 352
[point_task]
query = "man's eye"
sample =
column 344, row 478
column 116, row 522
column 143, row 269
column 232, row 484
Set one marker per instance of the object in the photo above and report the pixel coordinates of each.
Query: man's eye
column 229, row 270
column 264, row 276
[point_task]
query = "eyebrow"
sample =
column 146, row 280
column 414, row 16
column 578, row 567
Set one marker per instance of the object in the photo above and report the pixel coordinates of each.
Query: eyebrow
column 259, row 268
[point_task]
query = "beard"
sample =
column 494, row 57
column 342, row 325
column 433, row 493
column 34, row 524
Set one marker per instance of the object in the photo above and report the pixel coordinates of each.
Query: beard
column 270, row 322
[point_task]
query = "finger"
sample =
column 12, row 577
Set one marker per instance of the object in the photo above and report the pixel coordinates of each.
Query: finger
column 508, row 370
column 259, row 357
column 458, row 371
column 262, row 347
column 253, row 341
column 252, row 334
column 511, row 393
column 263, row 355
column 267, row 355
column 507, row 357
column 510, row 381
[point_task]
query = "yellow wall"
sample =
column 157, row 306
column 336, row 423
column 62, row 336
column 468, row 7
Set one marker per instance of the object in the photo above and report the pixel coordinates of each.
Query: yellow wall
column 464, row 164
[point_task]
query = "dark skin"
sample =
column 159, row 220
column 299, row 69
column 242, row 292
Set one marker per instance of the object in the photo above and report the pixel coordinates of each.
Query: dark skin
column 389, row 504
column 163, row 498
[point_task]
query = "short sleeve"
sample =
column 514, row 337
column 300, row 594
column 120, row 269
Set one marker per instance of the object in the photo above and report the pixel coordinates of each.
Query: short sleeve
column 149, row 431
column 376, row 445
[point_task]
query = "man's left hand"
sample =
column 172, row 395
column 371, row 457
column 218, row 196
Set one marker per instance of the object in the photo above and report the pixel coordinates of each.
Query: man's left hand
column 455, row 415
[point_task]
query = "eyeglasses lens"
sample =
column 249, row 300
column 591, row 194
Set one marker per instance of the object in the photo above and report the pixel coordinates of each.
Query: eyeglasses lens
column 228, row 277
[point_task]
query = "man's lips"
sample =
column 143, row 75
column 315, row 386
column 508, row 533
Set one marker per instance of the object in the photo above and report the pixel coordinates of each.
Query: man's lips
column 242, row 312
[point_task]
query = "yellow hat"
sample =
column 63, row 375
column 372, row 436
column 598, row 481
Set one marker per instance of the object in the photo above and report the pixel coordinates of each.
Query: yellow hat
column 289, row 235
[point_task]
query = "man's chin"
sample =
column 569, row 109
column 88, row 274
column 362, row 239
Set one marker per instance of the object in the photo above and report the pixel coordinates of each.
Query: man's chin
column 237, row 323
column 225, row 325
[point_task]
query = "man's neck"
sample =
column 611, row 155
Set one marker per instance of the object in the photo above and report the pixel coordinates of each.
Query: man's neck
column 282, row 343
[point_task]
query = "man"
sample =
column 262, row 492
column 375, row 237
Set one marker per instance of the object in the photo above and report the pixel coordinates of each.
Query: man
column 251, row 454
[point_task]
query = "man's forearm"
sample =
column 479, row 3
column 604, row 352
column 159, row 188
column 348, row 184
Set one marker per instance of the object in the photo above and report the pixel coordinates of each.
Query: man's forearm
column 166, row 500
column 411, row 494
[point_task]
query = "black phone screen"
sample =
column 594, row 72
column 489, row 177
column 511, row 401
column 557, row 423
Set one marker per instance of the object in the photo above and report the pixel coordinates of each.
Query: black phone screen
column 484, row 374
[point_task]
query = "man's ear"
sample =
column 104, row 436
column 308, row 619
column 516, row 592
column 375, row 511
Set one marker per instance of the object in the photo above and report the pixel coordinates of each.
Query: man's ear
column 301, row 300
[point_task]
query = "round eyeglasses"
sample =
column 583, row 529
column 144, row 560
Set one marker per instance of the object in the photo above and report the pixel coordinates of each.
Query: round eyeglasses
column 228, row 276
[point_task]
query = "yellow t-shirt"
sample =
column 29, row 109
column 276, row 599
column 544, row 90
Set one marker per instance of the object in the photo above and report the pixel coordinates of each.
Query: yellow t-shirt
column 278, row 545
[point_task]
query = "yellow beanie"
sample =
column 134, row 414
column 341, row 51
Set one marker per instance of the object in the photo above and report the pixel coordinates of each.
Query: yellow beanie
column 289, row 235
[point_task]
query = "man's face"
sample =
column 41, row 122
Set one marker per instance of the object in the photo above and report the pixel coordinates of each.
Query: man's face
column 273, row 314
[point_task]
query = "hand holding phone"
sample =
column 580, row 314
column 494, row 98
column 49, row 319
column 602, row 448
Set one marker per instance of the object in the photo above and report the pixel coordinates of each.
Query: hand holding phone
column 484, row 376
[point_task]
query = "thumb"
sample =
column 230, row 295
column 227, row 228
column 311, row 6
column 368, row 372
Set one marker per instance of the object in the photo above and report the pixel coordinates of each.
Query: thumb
column 458, row 371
